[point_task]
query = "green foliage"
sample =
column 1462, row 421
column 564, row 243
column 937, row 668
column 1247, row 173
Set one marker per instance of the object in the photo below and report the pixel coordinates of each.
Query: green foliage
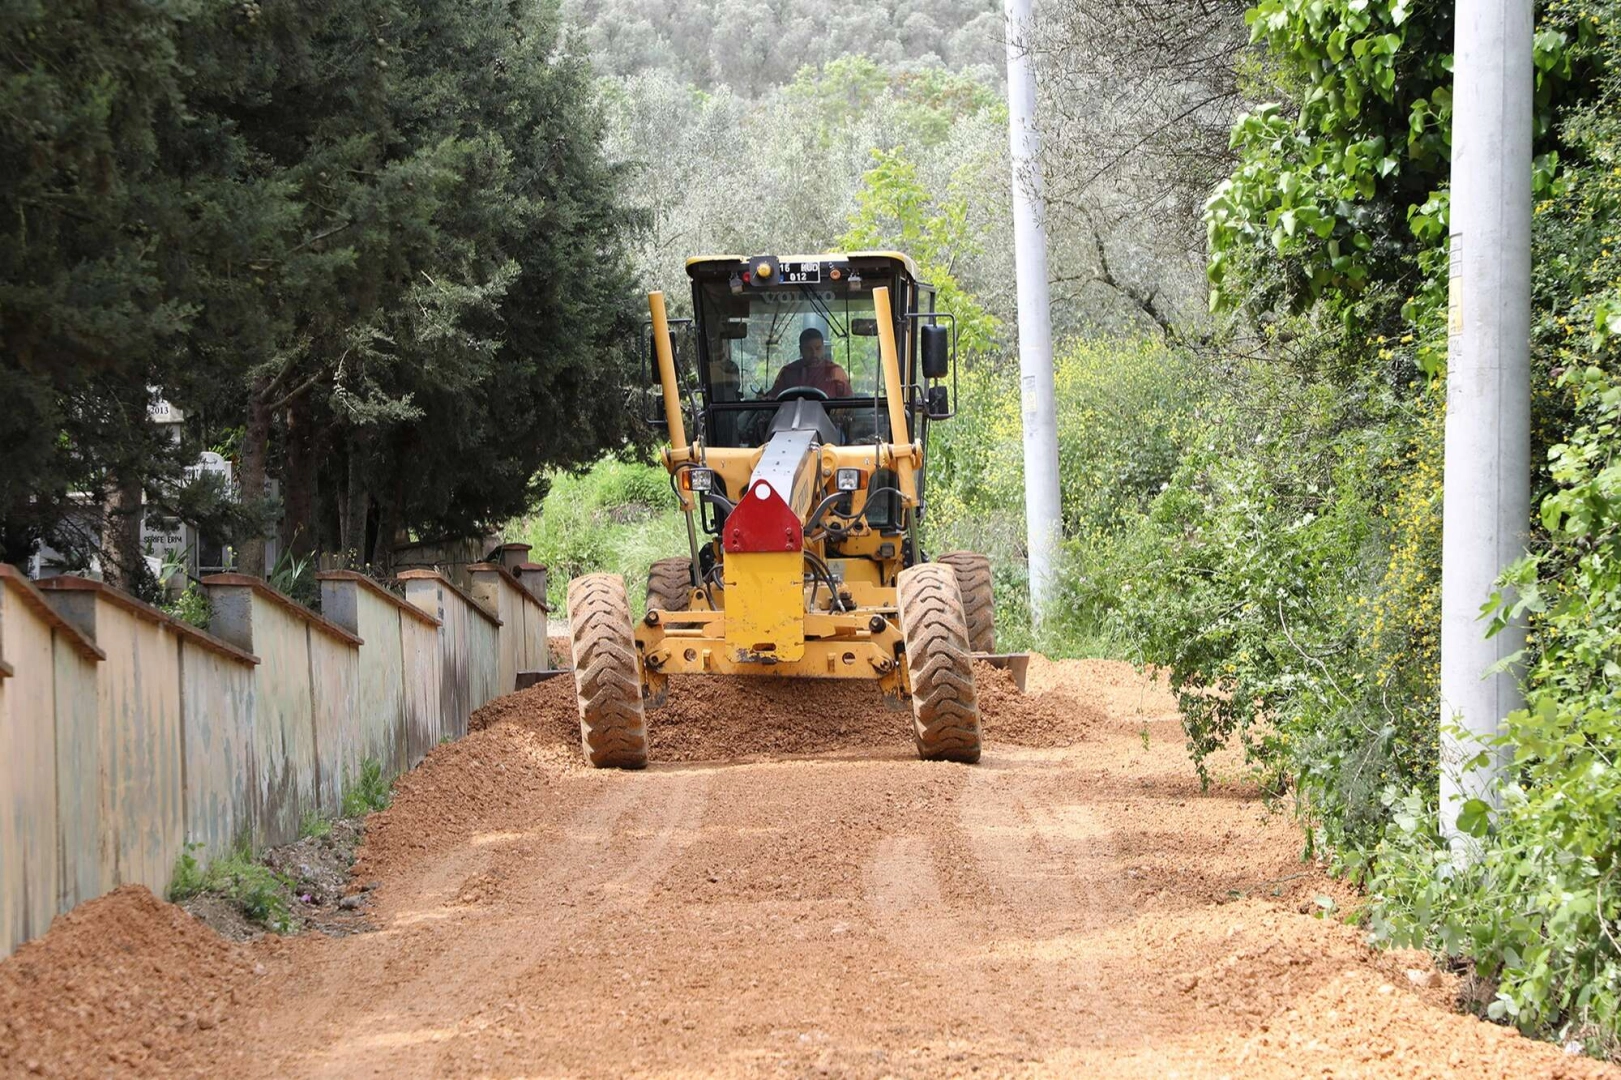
column 259, row 891
column 1537, row 913
column 192, row 607
column 1125, row 408
column 753, row 46
column 1344, row 187
column 315, row 824
column 187, row 877
column 1289, row 581
column 895, row 210
column 367, row 791
column 619, row 517
column 294, row 577
column 1338, row 209
column 332, row 231
column 845, row 91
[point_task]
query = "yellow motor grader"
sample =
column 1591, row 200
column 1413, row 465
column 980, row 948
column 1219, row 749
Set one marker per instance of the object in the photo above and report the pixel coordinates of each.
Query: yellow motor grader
column 812, row 384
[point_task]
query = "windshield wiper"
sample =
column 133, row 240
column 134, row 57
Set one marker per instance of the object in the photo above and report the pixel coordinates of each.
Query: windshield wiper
column 823, row 310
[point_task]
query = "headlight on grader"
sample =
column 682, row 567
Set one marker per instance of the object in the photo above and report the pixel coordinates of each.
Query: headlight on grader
column 847, row 479
column 698, row 479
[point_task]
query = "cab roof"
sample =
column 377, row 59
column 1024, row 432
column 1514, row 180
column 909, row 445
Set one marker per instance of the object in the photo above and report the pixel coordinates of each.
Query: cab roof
column 827, row 257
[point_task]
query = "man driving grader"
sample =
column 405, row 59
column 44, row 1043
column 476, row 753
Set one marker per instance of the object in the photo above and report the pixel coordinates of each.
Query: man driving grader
column 808, row 490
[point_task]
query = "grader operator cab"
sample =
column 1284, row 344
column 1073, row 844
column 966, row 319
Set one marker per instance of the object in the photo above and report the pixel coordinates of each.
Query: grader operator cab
column 814, row 382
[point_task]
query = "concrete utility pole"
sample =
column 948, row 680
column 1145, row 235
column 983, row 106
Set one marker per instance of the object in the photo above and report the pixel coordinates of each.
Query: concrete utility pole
column 1486, row 505
column 1043, row 526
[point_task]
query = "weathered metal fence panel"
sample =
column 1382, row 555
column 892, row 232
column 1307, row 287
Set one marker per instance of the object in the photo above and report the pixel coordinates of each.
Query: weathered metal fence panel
column 222, row 767
column 125, row 734
column 28, row 855
column 82, row 834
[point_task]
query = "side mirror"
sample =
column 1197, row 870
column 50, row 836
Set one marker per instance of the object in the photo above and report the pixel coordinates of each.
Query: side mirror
column 654, row 416
column 734, row 328
column 936, row 351
column 937, row 403
column 653, row 359
column 864, row 327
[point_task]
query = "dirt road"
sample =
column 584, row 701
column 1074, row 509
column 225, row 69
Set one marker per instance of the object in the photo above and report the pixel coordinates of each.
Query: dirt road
column 826, row 904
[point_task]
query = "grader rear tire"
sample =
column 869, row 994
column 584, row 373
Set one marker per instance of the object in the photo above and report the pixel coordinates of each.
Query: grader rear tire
column 973, row 572
column 607, row 673
column 669, row 585
column 945, row 704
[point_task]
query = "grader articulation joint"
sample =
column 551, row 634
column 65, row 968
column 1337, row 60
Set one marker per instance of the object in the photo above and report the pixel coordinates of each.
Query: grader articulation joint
column 812, row 381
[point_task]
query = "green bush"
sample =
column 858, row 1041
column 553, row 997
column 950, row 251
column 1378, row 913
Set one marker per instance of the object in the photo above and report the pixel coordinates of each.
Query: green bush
column 1125, row 409
column 192, row 607
column 368, row 791
column 617, row 517
column 257, row 890
column 1538, row 913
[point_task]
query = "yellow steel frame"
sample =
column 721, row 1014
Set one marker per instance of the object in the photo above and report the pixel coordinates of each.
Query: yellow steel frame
column 771, row 626
column 836, row 645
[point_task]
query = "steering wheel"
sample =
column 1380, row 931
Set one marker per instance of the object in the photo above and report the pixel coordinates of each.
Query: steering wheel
column 795, row 393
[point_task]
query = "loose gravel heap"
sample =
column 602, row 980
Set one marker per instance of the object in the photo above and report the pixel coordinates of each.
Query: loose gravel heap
column 786, row 891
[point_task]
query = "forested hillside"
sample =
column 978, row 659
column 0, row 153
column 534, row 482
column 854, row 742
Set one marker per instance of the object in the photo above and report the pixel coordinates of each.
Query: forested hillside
column 752, row 46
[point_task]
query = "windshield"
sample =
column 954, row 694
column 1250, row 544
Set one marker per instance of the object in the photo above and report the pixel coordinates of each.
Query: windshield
column 818, row 339
column 764, row 342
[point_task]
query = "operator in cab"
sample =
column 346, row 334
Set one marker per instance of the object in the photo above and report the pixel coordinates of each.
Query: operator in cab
column 814, row 369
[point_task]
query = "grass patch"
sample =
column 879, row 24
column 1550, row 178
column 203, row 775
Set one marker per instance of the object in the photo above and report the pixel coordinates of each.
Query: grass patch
column 368, row 791
column 617, row 518
column 257, row 890
column 314, row 825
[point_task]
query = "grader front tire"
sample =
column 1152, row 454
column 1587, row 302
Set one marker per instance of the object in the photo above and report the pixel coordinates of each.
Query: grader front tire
column 607, row 673
column 973, row 572
column 669, row 585
column 945, row 704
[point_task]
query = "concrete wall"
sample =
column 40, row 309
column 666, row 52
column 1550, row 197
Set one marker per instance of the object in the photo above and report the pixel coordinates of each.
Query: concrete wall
column 470, row 647
column 126, row 736
column 522, row 615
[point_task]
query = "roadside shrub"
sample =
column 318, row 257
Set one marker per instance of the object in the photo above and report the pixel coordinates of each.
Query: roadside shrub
column 617, row 517
column 1539, row 914
column 1125, row 407
column 367, row 791
column 257, row 890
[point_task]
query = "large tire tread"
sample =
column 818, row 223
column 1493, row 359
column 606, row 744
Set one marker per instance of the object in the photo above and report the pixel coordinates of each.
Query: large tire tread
column 607, row 673
column 669, row 585
column 945, row 703
column 973, row 572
